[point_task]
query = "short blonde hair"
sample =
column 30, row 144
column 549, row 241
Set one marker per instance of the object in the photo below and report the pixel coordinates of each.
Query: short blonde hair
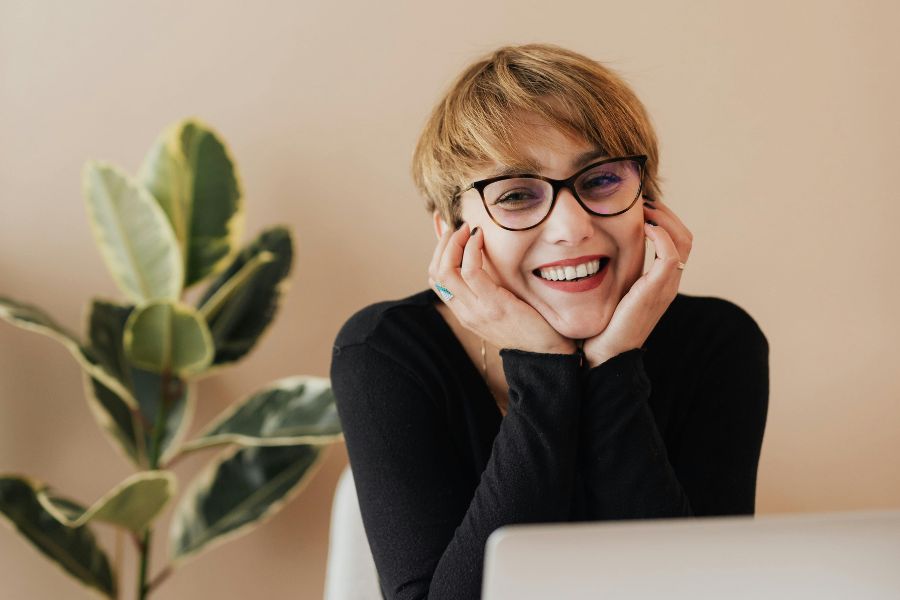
column 476, row 121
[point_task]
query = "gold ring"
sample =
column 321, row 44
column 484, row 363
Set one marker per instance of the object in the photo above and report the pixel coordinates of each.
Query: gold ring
column 680, row 266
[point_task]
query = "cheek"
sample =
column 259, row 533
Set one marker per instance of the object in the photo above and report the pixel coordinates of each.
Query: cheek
column 635, row 244
column 503, row 258
column 472, row 212
column 632, row 256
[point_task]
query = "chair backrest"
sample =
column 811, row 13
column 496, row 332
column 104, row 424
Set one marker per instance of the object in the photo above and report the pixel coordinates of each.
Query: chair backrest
column 351, row 573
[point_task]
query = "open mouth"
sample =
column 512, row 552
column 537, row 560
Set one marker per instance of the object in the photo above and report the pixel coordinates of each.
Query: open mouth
column 573, row 273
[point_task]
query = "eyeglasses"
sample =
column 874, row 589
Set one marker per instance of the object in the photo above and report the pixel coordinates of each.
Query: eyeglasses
column 605, row 189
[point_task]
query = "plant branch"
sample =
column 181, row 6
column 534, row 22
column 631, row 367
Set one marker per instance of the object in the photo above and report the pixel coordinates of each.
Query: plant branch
column 117, row 560
column 180, row 455
column 153, row 458
column 145, row 554
column 160, row 577
column 142, row 418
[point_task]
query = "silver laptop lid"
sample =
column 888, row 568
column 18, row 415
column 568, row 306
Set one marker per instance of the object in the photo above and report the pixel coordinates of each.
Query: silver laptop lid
column 821, row 556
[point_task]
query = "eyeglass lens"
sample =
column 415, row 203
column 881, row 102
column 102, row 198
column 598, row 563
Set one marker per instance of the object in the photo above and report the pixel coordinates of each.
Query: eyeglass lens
column 523, row 202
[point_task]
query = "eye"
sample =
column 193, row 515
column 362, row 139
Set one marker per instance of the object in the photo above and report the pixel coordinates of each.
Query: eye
column 517, row 194
column 601, row 180
column 515, row 197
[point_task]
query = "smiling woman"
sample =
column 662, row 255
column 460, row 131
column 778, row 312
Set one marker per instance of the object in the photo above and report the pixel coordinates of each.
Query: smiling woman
column 543, row 377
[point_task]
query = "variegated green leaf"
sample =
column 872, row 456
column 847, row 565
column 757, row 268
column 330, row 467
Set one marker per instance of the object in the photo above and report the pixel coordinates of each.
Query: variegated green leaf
column 294, row 410
column 133, row 504
column 64, row 510
column 189, row 171
column 109, row 411
column 134, row 236
column 222, row 294
column 148, row 391
column 168, row 336
column 106, row 330
column 34, row 319
column 238, row 314
column 238, row 492
column 106, row 326
column 75, row 549
column 116, row 419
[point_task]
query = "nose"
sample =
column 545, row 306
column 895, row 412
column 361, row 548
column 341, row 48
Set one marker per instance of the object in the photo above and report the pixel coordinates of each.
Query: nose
column 568, row 223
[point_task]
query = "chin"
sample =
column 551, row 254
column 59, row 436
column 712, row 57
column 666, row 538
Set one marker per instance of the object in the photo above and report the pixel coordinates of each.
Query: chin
column 580, row 326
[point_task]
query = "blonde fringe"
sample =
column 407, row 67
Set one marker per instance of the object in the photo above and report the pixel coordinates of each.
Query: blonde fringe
column 477, row 121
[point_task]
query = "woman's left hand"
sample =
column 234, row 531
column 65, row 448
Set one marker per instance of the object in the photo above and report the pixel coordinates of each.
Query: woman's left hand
column 641, row 308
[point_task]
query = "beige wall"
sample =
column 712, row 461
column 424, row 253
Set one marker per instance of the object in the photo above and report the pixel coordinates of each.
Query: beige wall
column 779, row 131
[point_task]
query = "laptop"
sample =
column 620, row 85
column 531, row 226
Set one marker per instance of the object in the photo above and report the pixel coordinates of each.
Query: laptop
column 821, row 556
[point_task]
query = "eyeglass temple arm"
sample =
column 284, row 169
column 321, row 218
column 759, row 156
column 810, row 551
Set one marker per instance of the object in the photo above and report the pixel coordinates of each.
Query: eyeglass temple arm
column 463, row 191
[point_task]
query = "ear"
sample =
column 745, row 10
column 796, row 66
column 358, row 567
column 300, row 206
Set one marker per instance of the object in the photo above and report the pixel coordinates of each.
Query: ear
column 439, row 225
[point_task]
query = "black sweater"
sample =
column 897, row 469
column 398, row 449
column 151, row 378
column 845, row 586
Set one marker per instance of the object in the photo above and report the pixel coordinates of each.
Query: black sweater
column 673, row 429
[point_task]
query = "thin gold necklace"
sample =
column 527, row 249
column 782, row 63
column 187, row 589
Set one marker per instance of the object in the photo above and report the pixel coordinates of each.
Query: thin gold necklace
column 501, row 403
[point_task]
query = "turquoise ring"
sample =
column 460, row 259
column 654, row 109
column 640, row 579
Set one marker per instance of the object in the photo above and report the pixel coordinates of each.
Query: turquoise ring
column 443, row 292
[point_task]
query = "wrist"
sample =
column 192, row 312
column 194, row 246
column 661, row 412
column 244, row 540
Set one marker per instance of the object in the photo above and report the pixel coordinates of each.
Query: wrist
column 563, row 347
column 594, row 356
column 596, row 359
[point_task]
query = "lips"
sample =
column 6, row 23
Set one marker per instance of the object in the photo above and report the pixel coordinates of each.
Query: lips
column 582, row 284
column 571, row 268
column 571, row 262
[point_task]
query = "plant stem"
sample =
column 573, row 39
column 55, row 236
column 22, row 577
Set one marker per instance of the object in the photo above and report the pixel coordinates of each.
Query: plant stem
column 145, row 553
column 161, row 414
column 117, row 559
column 160, row 577
column 155, row 446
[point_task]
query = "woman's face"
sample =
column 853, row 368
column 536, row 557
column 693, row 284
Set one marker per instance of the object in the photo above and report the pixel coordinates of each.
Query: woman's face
column 569, row 232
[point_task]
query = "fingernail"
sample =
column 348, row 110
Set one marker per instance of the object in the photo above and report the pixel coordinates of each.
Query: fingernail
column 474, row 231
column 650, row 206
column 651, row 223
column 646, row 197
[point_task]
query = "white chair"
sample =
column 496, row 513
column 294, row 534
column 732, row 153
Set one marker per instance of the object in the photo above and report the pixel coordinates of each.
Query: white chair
column 350, row 574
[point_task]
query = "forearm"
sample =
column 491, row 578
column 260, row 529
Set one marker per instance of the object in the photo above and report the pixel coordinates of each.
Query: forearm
column 624, row 471
column 426, row 527
column 530, row 476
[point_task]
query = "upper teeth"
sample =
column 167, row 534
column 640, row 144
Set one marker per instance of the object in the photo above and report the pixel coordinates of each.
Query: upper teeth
column 572, row 272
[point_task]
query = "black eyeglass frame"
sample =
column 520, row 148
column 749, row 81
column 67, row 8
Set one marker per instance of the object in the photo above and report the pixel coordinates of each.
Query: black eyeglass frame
column 558, row 184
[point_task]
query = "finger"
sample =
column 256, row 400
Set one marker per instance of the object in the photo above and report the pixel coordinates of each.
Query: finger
column 665, row 246
column 658, row 206
column 472, row 269
column 460, row 294
column 471, row 259
column 448, row 271
column 453, row 252
column 667, row 257
column 680, row 236
column 439, row 251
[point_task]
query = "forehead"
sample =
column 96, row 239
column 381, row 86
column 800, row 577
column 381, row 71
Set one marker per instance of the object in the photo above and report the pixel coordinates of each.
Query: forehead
column 539, row 147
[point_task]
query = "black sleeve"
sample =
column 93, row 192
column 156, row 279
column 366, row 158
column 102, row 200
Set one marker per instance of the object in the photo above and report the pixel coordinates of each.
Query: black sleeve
column 428, row 542
column 718, row 457
column 625, row 469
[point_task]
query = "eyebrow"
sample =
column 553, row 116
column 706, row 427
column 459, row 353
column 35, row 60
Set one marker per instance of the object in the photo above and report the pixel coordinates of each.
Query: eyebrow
column 534, row 167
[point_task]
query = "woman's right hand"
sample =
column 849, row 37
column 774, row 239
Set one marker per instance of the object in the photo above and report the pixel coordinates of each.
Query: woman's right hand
column 485, row 308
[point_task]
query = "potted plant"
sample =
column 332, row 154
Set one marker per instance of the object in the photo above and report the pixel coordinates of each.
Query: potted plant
column 175, row 225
